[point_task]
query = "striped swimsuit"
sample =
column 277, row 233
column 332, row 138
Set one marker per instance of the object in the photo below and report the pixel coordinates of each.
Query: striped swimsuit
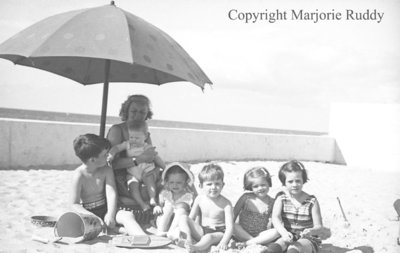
column 296, row 219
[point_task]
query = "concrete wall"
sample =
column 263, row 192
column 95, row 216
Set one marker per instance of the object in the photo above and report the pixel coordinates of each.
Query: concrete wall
column 27, row 143
column 368, row 134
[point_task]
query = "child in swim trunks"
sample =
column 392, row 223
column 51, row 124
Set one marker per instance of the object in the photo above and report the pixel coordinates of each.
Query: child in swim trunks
column 143, row 172
column 254, row 209
column 215, row 212
column 296, row 214
column 176, row 198
column 93, row 184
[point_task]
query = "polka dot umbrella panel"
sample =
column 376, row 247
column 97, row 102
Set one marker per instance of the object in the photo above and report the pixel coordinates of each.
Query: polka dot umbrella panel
column 101, row 45
column 75, row 45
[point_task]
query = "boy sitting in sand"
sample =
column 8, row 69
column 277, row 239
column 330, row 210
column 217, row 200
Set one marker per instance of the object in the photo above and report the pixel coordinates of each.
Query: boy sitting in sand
column 136, row 145
column 215, row 212
column 93, row 183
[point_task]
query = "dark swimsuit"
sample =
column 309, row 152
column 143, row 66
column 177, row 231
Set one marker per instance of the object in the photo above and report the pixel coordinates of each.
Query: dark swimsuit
column 209, row 230
column 99, row 208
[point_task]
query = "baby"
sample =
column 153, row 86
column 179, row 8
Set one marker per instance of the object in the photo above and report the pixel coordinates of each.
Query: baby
column 140, row 173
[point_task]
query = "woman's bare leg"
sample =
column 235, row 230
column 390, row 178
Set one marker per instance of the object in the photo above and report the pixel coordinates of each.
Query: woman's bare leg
column 127, row 219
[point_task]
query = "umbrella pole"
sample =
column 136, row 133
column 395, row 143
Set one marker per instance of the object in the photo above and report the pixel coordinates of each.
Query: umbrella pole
column 105, row 100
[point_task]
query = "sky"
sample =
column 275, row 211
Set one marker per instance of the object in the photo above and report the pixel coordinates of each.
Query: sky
column 284, row 74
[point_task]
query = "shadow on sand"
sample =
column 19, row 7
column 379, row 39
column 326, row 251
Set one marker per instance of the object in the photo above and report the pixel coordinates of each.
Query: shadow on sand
column 329, row 248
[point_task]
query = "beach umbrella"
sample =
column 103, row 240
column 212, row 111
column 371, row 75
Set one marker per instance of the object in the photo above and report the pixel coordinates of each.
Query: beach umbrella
column 101, row 45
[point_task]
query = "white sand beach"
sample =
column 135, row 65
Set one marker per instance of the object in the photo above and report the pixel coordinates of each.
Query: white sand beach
column 367, row 197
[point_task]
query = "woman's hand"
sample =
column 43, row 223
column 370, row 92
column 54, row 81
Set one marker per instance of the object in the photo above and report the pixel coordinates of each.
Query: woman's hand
column 147, row 156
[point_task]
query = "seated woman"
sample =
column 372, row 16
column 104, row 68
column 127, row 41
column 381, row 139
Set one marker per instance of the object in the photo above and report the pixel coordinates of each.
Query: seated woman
column 135, row 108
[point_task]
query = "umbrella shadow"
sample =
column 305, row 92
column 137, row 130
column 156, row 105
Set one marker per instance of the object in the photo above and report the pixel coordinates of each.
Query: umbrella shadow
column 330, row 248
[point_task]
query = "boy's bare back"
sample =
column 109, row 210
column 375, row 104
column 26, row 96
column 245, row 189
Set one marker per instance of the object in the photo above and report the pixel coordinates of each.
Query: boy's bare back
column 91, row 184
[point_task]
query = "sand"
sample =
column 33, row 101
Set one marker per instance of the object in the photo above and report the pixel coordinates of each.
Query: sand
column 367, row 197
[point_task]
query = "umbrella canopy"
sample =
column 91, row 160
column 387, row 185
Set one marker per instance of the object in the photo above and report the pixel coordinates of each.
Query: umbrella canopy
column 101, row 45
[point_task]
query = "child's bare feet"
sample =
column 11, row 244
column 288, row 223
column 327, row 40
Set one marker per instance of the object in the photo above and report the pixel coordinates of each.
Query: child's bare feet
column 189, row 247
column 184, row 242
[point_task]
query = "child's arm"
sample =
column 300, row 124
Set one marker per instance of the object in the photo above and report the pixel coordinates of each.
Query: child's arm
column 223, row 244
column 161, row 199
column 277, row 220
column 318, row 228
column 316, row 215
column 239, row 206
column 158, row 209
column 118, row 148
column 111, row 196
column 115, row 150
column 195, row 211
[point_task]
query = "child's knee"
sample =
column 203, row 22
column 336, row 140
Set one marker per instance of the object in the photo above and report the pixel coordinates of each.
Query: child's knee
column 182, row 208
column 183, row 219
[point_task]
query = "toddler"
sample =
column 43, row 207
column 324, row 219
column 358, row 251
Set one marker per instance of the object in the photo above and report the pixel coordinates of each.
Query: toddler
column 254, row 209
column 215, row 212
column 176, row 198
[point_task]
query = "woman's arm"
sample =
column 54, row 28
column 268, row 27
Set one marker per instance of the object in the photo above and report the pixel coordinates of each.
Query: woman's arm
column 158, row 162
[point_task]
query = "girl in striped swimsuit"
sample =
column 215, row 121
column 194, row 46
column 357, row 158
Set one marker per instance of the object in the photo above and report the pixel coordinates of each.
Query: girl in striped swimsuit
column 296, row 214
